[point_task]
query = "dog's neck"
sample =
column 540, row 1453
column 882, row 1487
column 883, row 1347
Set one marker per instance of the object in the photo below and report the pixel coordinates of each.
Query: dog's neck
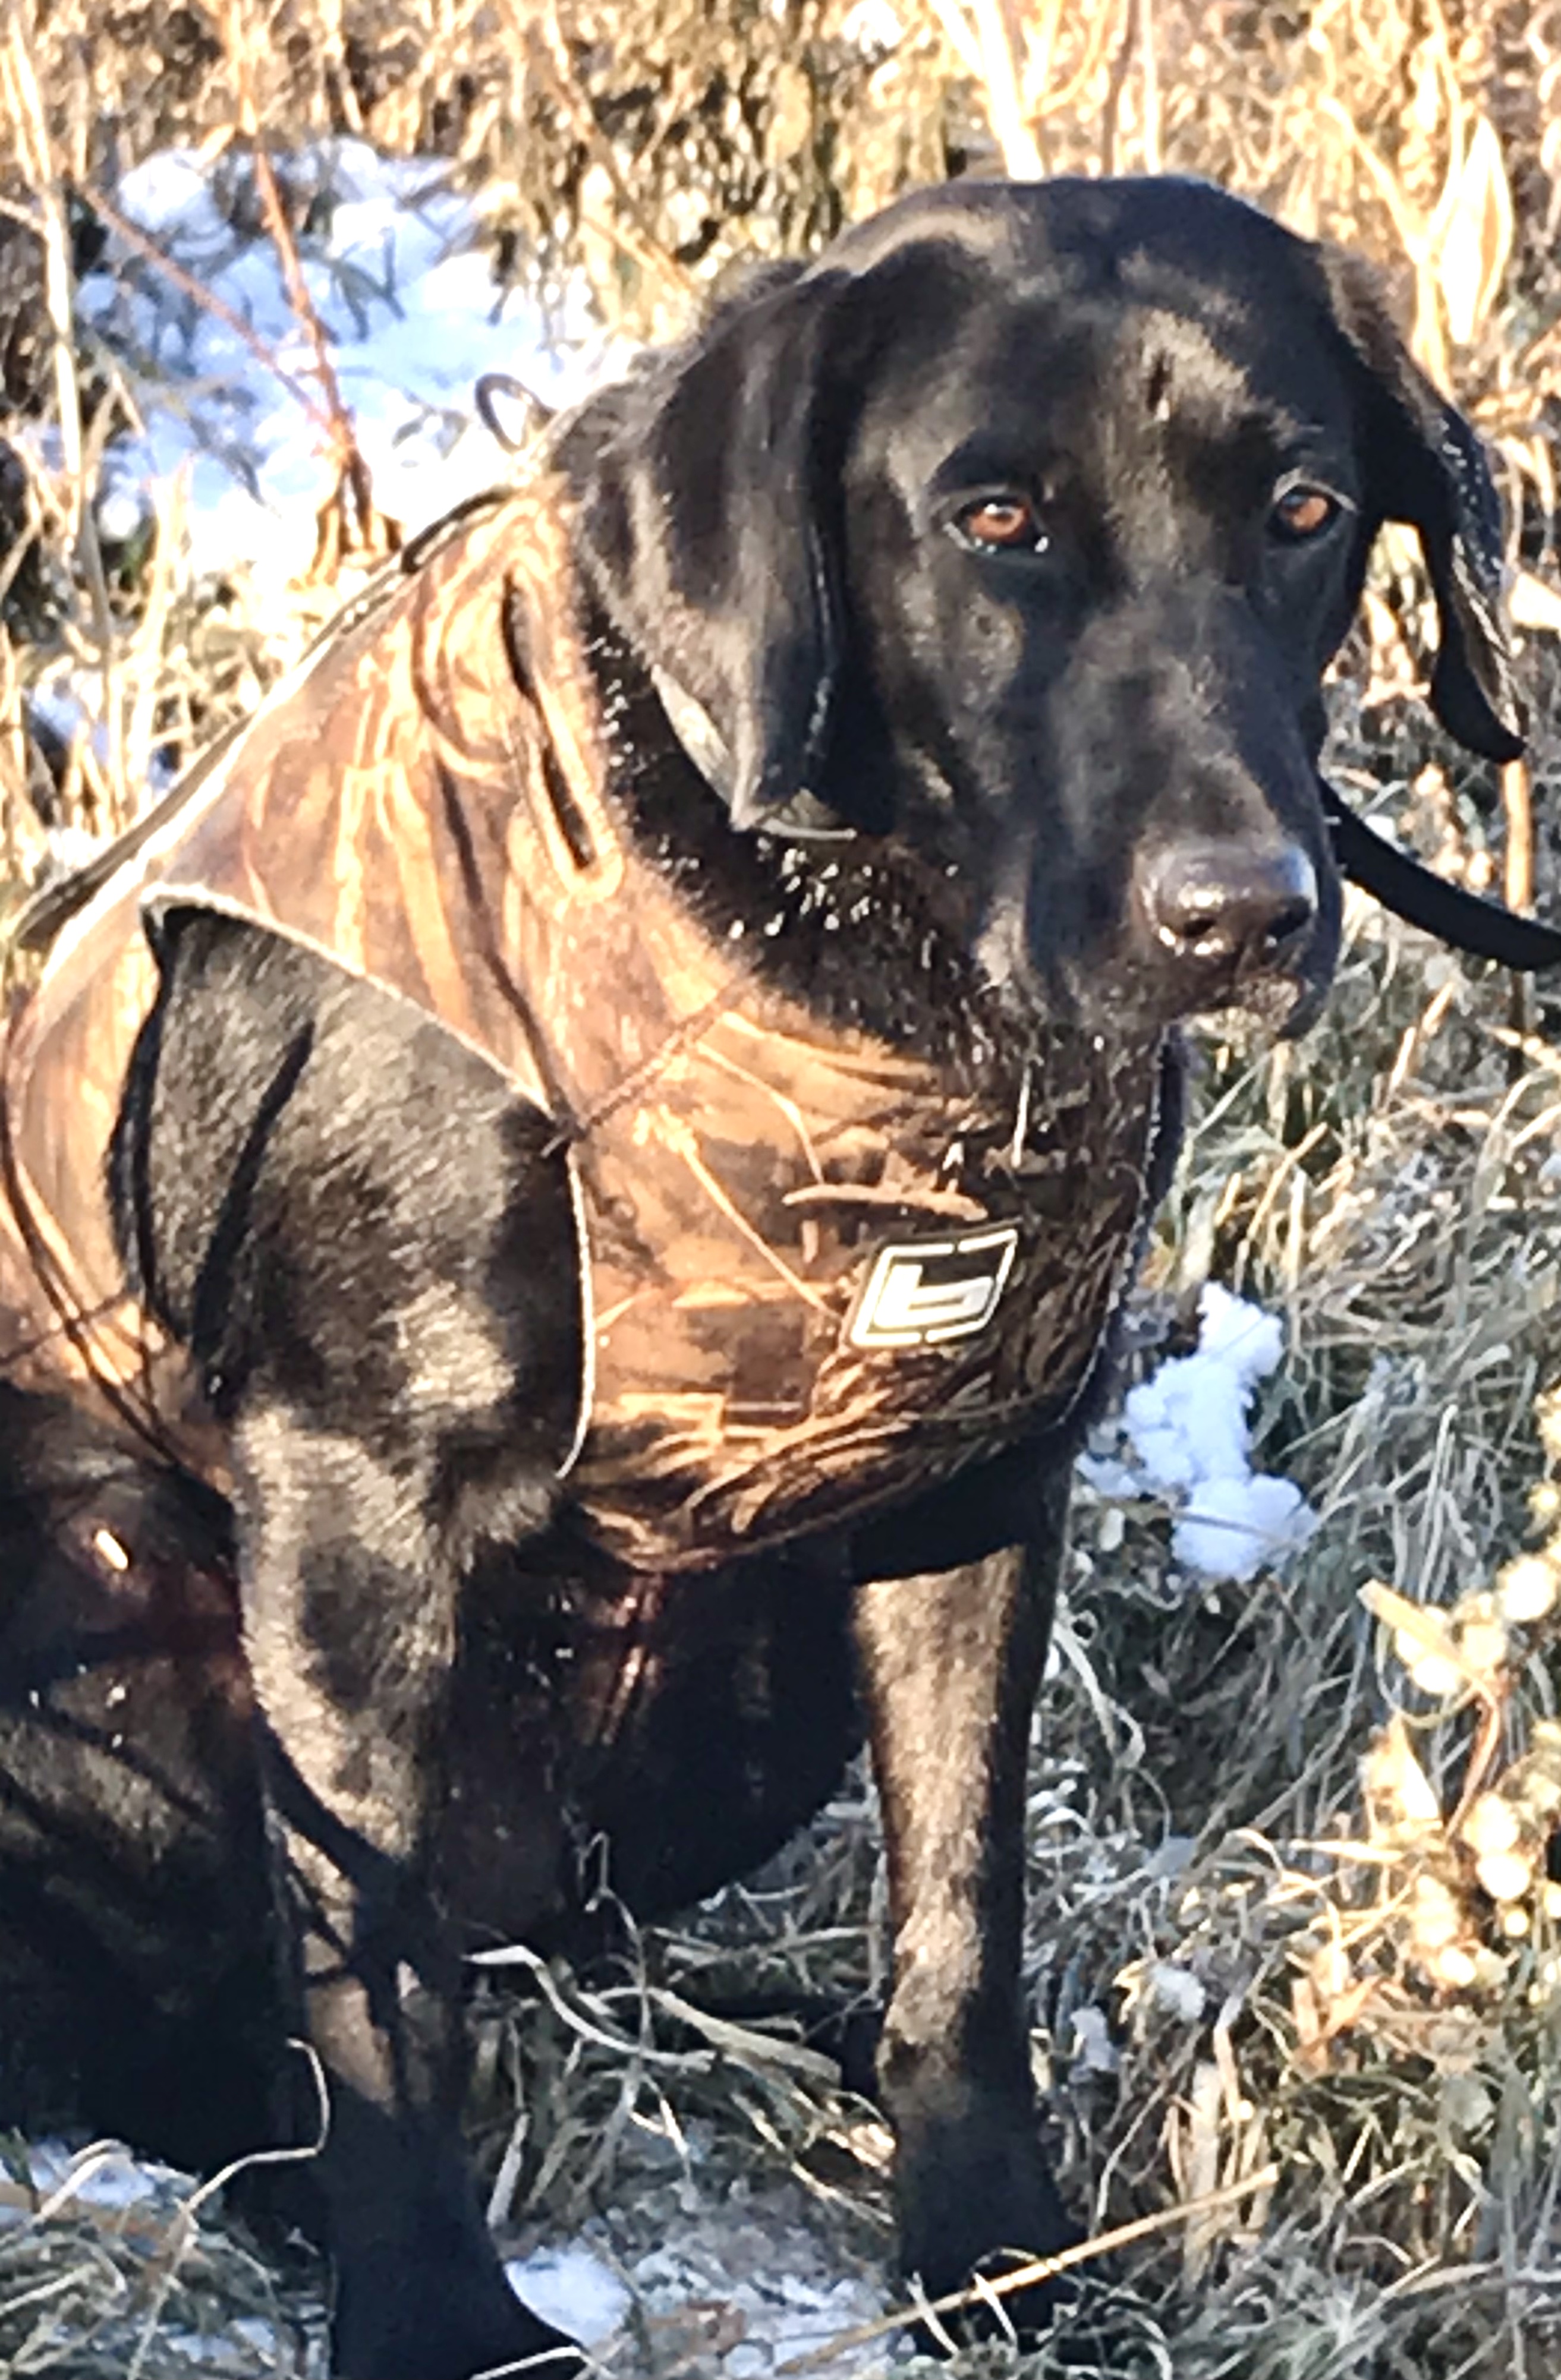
column 867, row 934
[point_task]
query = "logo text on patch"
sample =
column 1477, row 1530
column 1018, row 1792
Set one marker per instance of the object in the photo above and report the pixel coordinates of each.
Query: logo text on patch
column 923, row 1292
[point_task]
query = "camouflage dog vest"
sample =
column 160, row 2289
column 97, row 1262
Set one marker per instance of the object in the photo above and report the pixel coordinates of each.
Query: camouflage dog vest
column 819, row 1273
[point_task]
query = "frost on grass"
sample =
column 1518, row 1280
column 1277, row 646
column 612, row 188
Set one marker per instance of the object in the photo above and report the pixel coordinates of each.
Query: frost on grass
column 111, row 2265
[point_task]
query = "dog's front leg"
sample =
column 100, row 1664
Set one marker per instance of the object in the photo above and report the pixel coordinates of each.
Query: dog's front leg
column 350, row 1223
column 350, row 1621
column 951, row 1664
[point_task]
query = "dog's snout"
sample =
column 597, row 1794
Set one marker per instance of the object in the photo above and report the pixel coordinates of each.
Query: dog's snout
column 1232, row 909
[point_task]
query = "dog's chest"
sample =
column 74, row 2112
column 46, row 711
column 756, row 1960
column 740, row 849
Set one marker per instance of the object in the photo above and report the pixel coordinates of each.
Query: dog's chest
column 847, row 1225
column 825, row 1277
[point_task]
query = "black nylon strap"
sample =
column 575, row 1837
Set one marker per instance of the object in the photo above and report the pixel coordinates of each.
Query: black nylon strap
column 1410, row 889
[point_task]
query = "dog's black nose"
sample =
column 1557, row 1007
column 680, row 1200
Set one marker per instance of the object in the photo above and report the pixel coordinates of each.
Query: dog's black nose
column 1232, row 909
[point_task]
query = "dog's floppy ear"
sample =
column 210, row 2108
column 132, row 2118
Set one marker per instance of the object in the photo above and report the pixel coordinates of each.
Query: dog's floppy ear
column 1426, row 466
column 707, row 493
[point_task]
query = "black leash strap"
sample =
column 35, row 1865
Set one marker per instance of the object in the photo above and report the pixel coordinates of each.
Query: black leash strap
column 1461, row 919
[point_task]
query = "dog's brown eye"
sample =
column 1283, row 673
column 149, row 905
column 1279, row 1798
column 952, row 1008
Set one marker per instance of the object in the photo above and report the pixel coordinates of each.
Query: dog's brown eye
column 1006, row 522
column 1303, row 512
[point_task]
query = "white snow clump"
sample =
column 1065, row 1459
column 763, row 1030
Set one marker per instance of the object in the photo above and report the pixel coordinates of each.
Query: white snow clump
column 1188, row 1424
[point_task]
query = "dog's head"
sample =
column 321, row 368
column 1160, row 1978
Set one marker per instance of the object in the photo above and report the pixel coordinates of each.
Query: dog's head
column 1022, row 527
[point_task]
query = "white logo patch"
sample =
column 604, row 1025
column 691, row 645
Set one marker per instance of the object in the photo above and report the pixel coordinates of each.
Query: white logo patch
column 921, row 1293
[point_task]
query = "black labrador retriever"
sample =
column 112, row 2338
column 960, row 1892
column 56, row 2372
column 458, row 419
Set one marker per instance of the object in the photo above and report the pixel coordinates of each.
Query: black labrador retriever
column 567, row 1194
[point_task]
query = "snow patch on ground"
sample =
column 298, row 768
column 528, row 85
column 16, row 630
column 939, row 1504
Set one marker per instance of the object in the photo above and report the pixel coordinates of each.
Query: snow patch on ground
column 745, row 2288
column 399, row 273
column 1190, row 1443
column 572, row 2290
column 106, row 2178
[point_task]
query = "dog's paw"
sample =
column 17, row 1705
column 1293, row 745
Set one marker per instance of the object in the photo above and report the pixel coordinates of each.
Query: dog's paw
column 980, row 2219
column 1006, row 2293
column 429, row 2327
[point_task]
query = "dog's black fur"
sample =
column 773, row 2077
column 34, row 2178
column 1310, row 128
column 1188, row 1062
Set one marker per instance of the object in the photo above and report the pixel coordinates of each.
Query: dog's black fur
column 1105, row 738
